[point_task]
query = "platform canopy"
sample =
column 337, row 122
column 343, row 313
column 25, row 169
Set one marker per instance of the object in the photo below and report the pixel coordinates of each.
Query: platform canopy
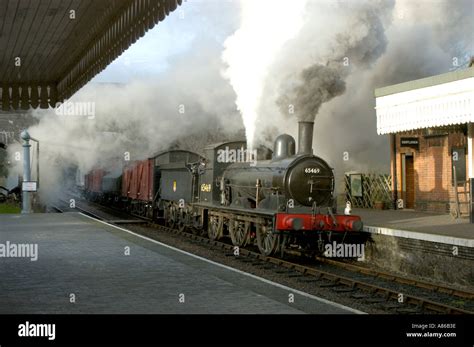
column 436, row 101
column 51, row 48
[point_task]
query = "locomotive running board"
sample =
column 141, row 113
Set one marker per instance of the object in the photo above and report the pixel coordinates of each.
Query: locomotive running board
column 236, row 209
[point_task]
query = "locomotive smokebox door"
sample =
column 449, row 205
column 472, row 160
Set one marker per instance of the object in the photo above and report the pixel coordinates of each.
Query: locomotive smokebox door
column 310, row 181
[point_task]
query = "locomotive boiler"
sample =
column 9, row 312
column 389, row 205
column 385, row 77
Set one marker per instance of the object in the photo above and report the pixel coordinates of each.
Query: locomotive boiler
column 288, row 180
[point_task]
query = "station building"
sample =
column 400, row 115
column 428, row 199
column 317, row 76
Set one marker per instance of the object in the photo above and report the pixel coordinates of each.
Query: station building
column 430, row 122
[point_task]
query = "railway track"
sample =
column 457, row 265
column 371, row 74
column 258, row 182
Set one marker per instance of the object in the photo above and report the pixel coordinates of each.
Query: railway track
column 400, row 279
column 393, row 292
column 341, row 283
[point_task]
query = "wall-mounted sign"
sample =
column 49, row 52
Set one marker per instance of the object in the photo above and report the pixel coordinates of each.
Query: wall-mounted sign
column 356, row 185
column 29, row 186
column 412, row 142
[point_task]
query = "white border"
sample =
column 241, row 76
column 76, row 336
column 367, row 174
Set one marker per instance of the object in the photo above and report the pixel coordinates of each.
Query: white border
column 335, row 304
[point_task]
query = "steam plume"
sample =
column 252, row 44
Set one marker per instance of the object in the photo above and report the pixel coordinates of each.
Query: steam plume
column 318, row 84
column 265, row 27
column 360, row 43
column 385, row 42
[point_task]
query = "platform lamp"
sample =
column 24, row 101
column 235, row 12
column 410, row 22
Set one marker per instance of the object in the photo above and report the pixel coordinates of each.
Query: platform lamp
column 27, row 185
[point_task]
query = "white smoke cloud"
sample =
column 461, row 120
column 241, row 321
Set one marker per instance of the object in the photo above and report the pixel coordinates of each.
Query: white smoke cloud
column 386, row 42
column 265, row 27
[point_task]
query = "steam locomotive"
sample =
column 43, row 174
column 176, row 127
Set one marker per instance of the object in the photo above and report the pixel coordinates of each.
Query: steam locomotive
column 278, row 200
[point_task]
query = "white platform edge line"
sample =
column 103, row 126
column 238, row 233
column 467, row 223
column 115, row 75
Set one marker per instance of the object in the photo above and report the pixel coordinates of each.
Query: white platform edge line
column 335, row 304
column 457, row 241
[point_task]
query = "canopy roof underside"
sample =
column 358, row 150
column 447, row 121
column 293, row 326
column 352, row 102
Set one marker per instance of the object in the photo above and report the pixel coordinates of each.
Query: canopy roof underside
column 438, row 101
column 50, row 48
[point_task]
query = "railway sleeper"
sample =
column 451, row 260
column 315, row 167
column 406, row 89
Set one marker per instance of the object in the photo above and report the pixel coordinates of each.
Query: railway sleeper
column 359, row 295
column 284, row 271
column 412, row 310
column 330, row 284
column 374, row 300
column 344, row 289
column 307, row 279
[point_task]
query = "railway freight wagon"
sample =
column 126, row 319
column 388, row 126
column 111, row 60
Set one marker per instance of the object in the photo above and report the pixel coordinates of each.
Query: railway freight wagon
column 138, row 186
column 93, row 184
column 179, row 185
column 159, row 183
column 112, row 186
column 103, row 183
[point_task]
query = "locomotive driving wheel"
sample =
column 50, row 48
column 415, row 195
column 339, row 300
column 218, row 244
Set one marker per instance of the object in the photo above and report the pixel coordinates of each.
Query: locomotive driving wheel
column 267, row 241
column 239, row 232
column 215, row 227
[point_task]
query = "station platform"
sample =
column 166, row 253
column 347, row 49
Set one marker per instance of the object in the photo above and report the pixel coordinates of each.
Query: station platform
column 82, row 266
column 431, row 246
column 431, row 227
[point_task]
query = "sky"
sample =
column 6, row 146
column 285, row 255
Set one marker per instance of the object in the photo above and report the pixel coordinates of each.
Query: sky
column 154, row 53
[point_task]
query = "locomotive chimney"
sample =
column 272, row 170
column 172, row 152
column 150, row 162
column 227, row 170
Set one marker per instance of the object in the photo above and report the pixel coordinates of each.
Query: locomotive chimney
column 305, row 137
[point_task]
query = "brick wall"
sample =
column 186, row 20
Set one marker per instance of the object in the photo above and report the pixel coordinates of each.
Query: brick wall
column 433, row 169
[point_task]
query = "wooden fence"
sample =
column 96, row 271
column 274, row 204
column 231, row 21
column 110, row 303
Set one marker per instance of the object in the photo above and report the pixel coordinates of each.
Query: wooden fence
column 364, row 190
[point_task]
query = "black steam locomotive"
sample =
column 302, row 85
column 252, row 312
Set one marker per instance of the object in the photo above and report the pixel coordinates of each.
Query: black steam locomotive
column 279, row 200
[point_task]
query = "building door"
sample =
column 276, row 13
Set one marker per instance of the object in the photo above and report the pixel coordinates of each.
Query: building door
column 410, row 182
